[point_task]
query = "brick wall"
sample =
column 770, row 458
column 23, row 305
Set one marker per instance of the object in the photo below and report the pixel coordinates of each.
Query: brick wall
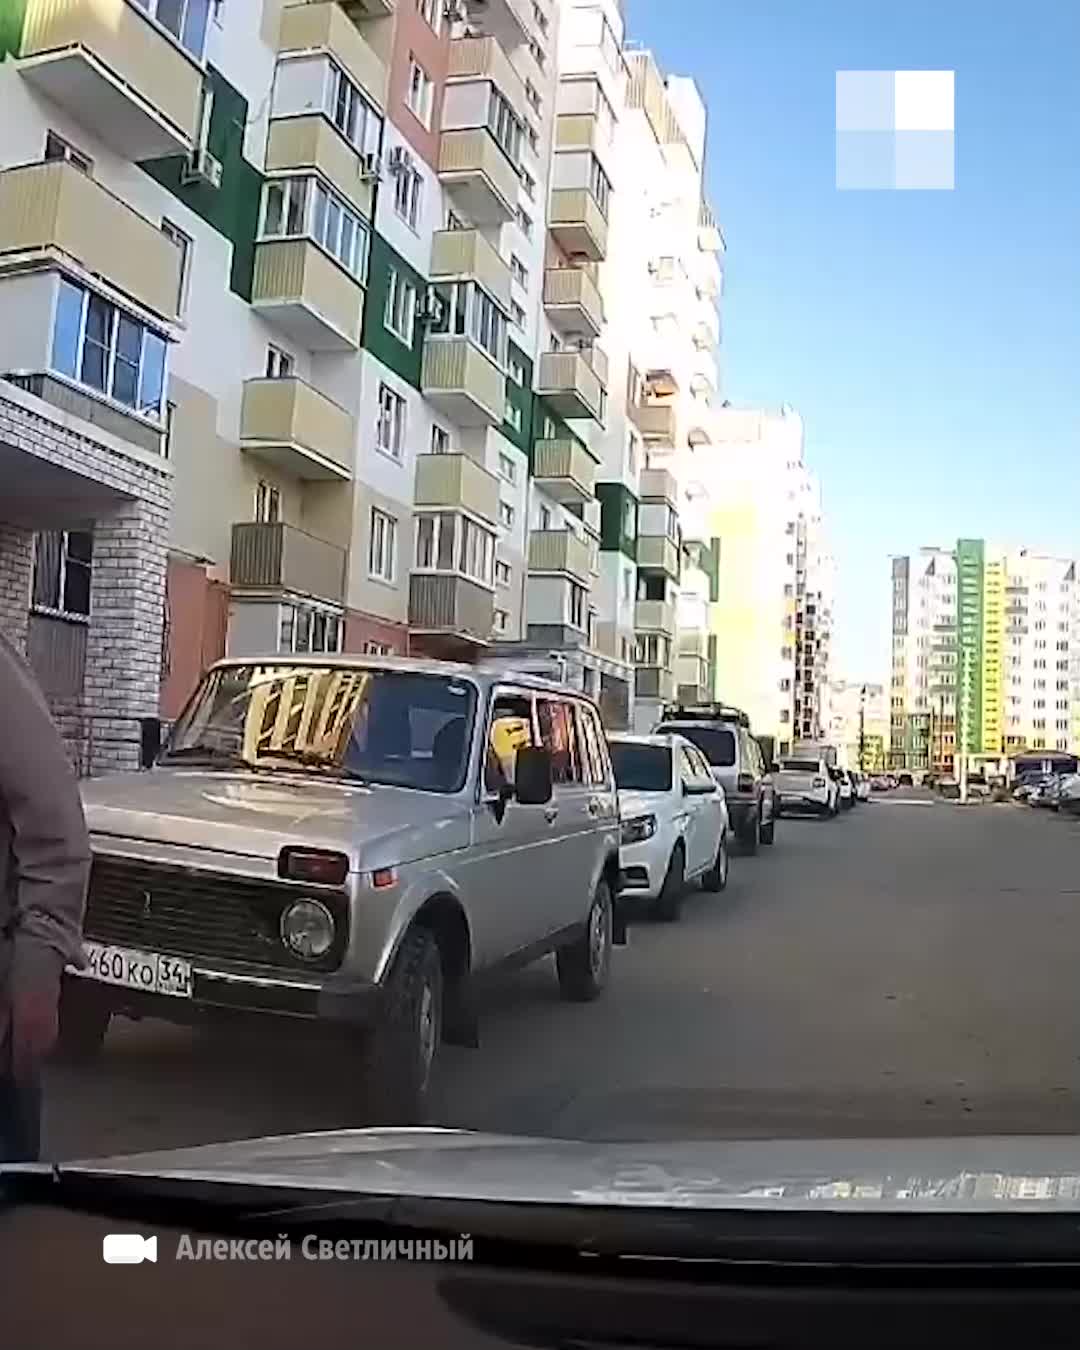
column 127, row 600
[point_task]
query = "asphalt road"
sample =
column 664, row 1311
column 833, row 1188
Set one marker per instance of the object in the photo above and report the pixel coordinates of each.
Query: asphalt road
column 910, row 968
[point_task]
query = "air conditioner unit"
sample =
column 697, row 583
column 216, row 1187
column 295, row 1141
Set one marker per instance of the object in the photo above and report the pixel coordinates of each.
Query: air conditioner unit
column 400, row 160
column 202, row 167
column 370, row 168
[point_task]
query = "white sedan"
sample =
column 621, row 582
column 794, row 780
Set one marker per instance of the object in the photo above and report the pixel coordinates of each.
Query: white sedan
column 674, row 820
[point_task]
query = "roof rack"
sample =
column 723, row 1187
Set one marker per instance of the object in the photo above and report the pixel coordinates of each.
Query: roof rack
column 706, row 712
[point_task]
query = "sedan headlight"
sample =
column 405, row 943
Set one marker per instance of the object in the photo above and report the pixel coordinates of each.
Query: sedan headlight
column 307, row 928
column 641, row 827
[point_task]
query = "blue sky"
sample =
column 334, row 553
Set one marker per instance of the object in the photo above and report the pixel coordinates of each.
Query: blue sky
column 931, row 340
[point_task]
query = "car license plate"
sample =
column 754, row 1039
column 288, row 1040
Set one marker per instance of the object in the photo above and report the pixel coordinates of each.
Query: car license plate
column 148, row 971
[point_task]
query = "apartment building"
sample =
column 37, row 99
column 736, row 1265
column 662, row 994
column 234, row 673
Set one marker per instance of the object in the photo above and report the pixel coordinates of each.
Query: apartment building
column 857, row 724
column 985, row 659
column 772, row 619
column 311, row 306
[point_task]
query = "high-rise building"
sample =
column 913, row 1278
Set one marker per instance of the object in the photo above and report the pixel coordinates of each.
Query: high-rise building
column 773, row 616
column 309, row 318
column 984, row 654
column 857, row 724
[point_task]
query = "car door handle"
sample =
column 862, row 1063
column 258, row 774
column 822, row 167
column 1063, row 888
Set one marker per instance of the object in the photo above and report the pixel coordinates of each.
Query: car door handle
column 550, row 812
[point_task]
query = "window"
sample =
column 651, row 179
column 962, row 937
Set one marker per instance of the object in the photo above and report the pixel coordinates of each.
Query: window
column 545, row 517
column 558, row 736
column 431, row 11
column 279, row 364
column 186, row 20
column 578, row 606
column 382, row 546
column 528, row 182
column 103, row 348
column 378, row 649
column 502, row 573
column 505, row 126
column 515, row 370
column 400, row 315
column 267, row 503
column 511, row 729
column 307, row 628
column 507, row 467
column 506, row 514
column 541, row 18
column 62, row 568
column 517, row 313
column 184, row 244
column 513, row 415
column 446, row 542
column 57, row 148
column 468, row 310
column 518, row 270
column 408, row 189
column 525, row 224
column 502, row 620
column 532, row 94
column 303, row 207
column 627, row 587
column 534, row 138
column 538, row 53
column 358, row 120
column 440, row 440
column 631, row 453
column 390, row 428
column 641, row 768
column 599, row 184
column 420, row 94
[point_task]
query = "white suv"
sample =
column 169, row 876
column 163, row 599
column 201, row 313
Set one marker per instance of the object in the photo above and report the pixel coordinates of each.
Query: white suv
column 674, row 820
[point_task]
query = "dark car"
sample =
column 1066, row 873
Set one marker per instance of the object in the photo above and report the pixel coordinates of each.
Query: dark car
column 723, row 736
column 906, row 780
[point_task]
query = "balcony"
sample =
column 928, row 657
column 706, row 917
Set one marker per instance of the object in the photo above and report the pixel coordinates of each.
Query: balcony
column 52, row 212
column 477, row 174
column 658, row 553
column 462, row 381
column 116, row 72
column 475, row 59
column 565, row 470
column 456, row 483
column 511, row 21
column 293, row 426
column 279, row 557
column 655, row 616
column 577, row 224
column 571, row 385
column 583, row 131
column 655, row 421
column 465, row 255
column 573, row 304
column 710, row 240
column 658, row 485
column 654, row 682
column 325, row 27
column 451, row 607
column 310, row 143
column 562, row 552
column 706, row 330
column 698, row 435
column 307, row 295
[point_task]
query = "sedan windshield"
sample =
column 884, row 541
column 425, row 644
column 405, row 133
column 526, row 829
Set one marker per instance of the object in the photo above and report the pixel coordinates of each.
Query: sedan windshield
column 641, row 768
column 398, row 728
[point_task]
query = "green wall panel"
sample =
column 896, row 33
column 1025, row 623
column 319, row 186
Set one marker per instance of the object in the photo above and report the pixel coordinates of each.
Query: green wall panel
column 12, row 13
column 614, row 536
column 383, row 344
column 233, row 208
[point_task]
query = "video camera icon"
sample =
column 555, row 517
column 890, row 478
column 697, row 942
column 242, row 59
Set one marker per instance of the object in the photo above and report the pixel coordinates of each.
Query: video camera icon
column 128, row 1249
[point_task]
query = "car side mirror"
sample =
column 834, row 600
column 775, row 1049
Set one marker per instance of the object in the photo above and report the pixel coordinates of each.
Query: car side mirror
column 532, row 776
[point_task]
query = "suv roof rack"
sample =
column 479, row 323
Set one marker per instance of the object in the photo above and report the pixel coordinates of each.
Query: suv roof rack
column 705, row 712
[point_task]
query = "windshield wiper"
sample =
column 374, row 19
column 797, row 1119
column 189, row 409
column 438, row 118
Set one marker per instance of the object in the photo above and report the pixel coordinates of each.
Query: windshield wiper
column 209, row 754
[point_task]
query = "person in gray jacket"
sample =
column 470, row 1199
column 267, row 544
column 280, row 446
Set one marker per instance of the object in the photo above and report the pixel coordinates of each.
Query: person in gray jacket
column 44, row 869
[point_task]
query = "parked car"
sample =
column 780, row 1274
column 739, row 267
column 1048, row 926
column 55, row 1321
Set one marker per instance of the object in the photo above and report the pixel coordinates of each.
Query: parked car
column 880, row 783
column 723, row 736
column 862, row 787
column 949, row 787
column 905, row 780
column 804, row 785
column 674, row 820
column 1069, row 796
column 352, row 840
column 1047, row 794
column 845, row 788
